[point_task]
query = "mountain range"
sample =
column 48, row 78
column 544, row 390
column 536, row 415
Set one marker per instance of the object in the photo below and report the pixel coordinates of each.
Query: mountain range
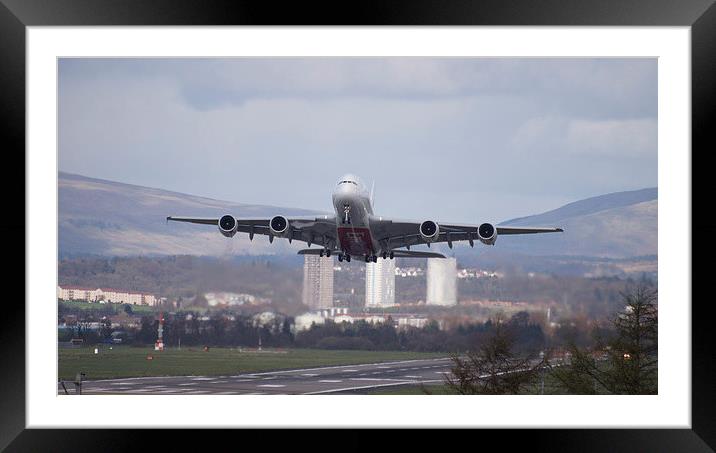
column 99, row 217
column 616, row 225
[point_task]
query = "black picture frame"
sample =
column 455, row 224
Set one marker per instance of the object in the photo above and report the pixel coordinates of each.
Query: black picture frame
column 700, row 15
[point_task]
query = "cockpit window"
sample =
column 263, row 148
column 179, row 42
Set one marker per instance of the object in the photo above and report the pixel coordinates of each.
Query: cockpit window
column 352, row 182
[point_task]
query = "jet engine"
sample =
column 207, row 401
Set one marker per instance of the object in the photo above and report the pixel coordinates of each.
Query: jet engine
column 487, row 233
column 429, row 231
column 228, row 225
column 278, row 226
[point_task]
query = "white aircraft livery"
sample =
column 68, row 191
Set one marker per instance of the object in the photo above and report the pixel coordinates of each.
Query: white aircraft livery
column 356, row 232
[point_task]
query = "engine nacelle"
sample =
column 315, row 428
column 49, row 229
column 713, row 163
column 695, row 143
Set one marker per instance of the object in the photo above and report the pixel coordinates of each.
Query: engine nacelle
column 487, row 233
column 429, row 230
column 279, row 226
column 228, row 225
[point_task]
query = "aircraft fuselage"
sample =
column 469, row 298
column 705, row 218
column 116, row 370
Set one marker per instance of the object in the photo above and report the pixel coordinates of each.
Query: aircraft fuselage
column 353, row 207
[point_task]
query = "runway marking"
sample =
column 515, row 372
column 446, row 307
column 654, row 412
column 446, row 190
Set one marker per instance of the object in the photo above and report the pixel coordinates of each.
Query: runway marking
column 240, row 380
column 196, row 392
column 188, row 383
column 363, row 374
column 310, row 375
column 359, row 388
column 122, row 383
column 376, row 372
column 349, row 371
column 355, row 365
column 155, row 387
column 383, row 367
column 378, row 379
column 218, row 382
column 330, row 381
column 203, row 379
column 271, row 385
column 442, row 372
column 412, row 377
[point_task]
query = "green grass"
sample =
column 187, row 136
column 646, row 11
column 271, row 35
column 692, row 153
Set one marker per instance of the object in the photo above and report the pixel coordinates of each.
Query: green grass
column 127, row 361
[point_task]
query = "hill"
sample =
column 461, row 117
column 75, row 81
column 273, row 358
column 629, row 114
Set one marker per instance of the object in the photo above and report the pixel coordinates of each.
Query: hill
column 616, row 225
column 98, row 217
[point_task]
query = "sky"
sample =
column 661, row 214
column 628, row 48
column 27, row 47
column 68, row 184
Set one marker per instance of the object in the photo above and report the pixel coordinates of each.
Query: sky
column 450, row 139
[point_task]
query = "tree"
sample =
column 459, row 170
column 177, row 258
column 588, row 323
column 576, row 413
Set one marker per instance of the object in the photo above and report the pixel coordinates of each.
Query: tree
column 494, row 368
column 128, row 309
column 626, row 362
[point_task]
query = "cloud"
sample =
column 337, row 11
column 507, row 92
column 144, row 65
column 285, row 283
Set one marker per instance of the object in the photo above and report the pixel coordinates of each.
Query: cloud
column 630, row 137
column 465, row 138
column 625, row 138
column 590, row 87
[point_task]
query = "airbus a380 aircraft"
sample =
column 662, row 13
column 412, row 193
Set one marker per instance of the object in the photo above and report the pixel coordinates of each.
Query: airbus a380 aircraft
column 355, row 232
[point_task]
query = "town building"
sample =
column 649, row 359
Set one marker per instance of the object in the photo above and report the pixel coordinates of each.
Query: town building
column 317, row 282
column 105, row 295
column 380, row 283
column 341, row 315
column 442, row 281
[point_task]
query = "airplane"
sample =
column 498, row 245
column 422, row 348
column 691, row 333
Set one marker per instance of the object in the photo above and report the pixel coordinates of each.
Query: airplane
column 356, row 232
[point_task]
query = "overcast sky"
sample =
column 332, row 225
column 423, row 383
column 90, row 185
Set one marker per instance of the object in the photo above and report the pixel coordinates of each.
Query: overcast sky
column 467, row 140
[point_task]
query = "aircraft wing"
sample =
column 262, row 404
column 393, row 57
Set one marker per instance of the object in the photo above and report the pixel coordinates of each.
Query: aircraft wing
column 405, row 233
column 319, row 230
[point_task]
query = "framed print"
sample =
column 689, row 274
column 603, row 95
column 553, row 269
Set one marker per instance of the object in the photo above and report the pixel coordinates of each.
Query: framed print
column 576, row 124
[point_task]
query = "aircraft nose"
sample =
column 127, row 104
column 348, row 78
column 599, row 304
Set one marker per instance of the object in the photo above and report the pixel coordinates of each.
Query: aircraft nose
column 344, row 190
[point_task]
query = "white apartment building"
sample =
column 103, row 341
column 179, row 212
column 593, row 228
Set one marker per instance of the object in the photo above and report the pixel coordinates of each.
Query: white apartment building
column 318, row 282
column 105, row 295
column 442, row 281
column 380, row 283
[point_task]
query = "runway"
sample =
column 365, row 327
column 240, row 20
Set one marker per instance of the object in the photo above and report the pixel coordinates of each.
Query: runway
column 348, row 379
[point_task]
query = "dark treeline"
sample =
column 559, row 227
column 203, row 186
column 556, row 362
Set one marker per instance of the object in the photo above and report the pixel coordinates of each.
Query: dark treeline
column 193, row 329
column 431, row 338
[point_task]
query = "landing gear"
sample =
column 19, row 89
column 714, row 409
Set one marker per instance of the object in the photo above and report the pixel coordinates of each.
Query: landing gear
column 391, row 255
column 375, row 258
column 348, row 258
column 385, row 255
column 328, row 253
column 367, row 258
column 320, row 253
column 340, row 257
column 346, row 213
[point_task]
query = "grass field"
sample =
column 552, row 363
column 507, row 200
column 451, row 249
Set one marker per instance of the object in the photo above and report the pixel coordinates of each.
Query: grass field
column 127, row 361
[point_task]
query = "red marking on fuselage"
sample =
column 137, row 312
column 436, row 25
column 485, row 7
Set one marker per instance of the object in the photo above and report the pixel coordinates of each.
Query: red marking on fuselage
column 355, row 241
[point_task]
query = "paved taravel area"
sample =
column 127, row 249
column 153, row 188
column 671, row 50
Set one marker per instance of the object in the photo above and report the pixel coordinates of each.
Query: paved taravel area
column 308, row 381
